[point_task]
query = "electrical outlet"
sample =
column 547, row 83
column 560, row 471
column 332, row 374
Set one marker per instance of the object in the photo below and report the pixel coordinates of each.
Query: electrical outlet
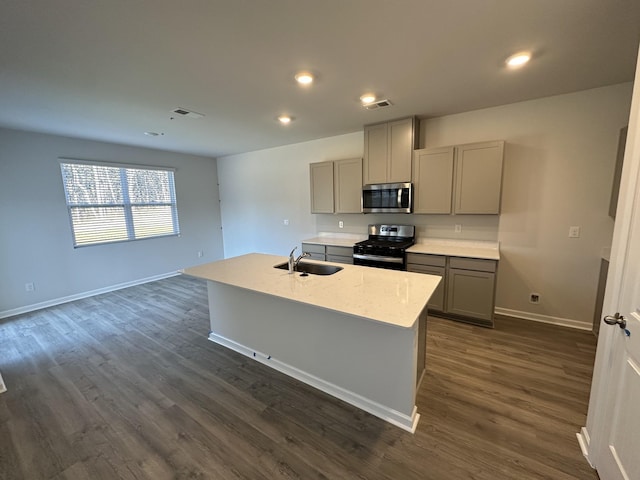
column 340, row 224
column 534, row 298
column 458, row 228
column 29, row 287
column 285, row 221
column 574, row 231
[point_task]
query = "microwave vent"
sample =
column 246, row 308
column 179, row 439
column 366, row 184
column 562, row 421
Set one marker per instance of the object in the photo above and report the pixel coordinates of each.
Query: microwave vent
column 378, row 104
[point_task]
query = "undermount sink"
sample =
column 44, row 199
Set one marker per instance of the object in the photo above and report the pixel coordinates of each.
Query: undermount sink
column 312, row 268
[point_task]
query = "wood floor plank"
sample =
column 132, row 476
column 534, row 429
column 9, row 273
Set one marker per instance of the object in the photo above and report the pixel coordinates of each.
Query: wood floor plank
column 125, row 385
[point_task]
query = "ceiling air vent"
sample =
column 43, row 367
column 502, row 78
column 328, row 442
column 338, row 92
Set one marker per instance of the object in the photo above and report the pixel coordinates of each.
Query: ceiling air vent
column 378, row 104
column 187, row 113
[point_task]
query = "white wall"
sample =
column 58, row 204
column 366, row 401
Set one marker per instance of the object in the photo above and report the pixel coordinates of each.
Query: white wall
column 35, row 235
column 259, row 190
column 559, row 161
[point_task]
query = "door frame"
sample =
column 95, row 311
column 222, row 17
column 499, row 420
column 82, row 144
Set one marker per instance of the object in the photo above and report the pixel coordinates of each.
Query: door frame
column 592, row 437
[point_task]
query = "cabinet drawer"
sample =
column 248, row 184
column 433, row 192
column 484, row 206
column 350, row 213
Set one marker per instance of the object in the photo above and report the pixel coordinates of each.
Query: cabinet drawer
column 425, row 259
column 340, row 259
column 476, row 264
column 340, row 251
column 313, row 248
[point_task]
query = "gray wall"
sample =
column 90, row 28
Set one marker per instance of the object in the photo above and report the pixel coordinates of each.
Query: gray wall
column 559, row 159
column 35, row 235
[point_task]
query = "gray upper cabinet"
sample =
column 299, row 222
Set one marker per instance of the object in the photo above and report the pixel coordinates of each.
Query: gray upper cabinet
column 478, row 178
column 387, row 151
column 321, row 187
column 433, row 180
column 336, row 186
column 347, row 184
column 465, row 179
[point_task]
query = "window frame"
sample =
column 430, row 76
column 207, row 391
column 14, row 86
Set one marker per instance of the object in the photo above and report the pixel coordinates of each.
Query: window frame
column 126, row 205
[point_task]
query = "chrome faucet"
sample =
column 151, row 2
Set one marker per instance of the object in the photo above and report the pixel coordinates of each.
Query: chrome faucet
column 297, row 260
column 292, row 261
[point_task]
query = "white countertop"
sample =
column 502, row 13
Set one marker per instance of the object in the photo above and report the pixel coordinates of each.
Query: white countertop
column 386, row 296
column 336, row 239
column 433, row 246
column 457, row 248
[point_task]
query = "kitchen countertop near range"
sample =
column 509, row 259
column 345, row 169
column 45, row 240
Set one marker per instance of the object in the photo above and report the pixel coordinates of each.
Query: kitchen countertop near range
column 336, row 239
column 457, row 248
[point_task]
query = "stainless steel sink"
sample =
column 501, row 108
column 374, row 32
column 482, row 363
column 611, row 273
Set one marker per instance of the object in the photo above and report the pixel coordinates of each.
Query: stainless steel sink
column 312, row 268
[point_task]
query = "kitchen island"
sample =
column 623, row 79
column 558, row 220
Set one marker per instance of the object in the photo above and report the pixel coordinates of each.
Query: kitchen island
column 358, row 334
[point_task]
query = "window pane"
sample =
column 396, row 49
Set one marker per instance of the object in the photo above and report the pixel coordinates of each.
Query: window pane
column 98, row 224
column 149, row 221
column 92, row 184
column 112, row 204
column 149, row 186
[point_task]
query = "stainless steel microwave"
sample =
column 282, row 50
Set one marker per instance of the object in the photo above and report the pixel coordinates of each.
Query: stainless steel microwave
column 387, row 198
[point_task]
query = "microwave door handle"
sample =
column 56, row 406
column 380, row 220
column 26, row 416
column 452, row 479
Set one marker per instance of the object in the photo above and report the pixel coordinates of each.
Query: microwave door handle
column 399, row 198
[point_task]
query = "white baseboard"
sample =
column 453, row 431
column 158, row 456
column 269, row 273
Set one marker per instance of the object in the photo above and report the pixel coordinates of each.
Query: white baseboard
column 406, row 422
column 78, row 296
column 565, row 322
column 583, row 441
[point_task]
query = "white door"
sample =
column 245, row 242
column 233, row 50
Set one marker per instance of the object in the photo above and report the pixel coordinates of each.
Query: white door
column 613, row 423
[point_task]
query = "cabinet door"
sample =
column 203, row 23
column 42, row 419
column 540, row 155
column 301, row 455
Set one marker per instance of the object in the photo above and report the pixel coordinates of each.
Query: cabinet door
column 376, row 147
column 478, row 185
column 401, row 143
column 471, row 293
column 436, row 302
column 347, row 184
column 321, row 187
column 432, row 180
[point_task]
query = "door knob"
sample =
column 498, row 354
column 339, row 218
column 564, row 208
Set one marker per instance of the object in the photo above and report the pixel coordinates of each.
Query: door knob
column 616, row 319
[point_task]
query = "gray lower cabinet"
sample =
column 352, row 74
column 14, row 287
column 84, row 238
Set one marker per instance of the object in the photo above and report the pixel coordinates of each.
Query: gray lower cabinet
column 329, row 253
column 431, row 265
column 316, row 252
column 340, row 254
column 467, row 290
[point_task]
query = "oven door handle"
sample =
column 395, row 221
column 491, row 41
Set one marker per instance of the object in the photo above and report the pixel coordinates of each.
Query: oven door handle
column 378, row 258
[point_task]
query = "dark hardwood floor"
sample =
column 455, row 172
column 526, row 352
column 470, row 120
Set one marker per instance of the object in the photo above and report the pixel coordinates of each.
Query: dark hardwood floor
column 126, row 385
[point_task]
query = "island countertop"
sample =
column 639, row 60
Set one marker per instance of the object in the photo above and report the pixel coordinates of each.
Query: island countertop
column 387, row 296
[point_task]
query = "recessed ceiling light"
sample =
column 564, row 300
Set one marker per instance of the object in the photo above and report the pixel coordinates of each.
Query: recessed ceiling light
column 367, row 98
column 304, row 78
column 518, row 59
column 284, row 119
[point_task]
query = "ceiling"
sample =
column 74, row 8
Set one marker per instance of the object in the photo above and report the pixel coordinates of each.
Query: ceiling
column 113, row 69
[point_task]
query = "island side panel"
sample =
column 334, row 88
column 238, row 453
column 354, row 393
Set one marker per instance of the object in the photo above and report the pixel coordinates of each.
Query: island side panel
column 371, row 360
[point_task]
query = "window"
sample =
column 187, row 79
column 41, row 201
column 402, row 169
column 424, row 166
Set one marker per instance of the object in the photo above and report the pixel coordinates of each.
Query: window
column 117, row 203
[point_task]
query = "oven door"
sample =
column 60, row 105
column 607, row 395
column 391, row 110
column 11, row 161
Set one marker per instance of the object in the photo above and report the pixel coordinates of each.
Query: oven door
column 387, row 198
column 378, row 261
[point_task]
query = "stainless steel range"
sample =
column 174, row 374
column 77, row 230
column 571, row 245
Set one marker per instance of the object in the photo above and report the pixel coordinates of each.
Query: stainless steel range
column 385, row 247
